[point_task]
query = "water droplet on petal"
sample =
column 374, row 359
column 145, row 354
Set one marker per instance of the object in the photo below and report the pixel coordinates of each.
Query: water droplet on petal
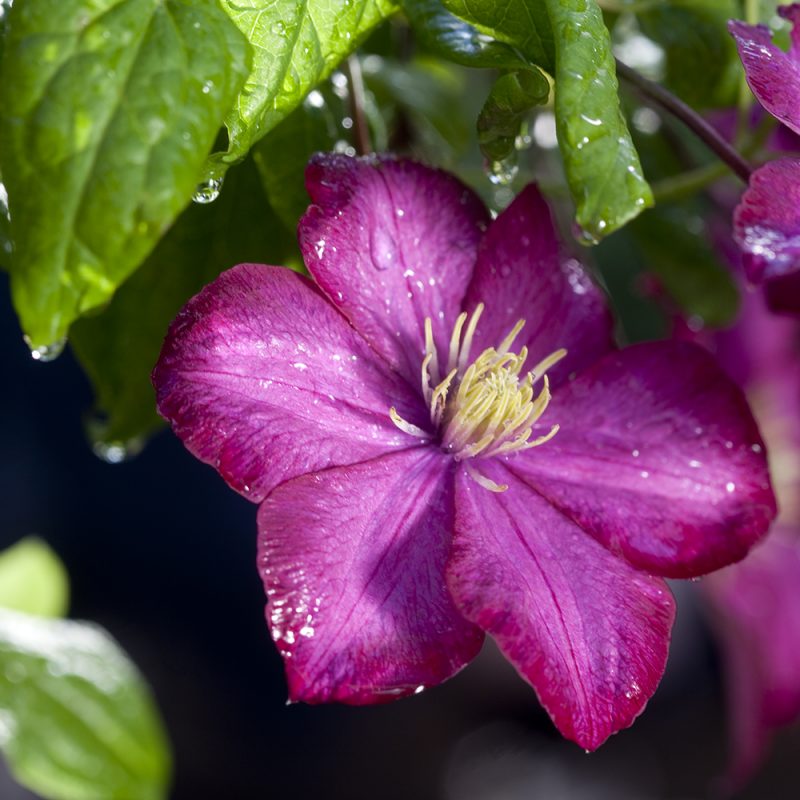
column 47, row 352
column 207, row 191
column 382, row 249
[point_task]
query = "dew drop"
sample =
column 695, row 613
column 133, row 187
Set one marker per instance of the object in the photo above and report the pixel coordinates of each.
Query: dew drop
column 47, row 352
column 207, row 191
column 279, row 29
column 382, row 249
column 503, row 172
column 208, row 86
column 116, row 452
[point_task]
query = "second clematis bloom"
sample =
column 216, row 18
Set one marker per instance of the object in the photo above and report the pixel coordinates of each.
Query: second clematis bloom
column 445, row 443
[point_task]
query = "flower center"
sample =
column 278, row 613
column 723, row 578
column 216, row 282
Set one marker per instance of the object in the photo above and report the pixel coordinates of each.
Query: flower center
column 484, row 408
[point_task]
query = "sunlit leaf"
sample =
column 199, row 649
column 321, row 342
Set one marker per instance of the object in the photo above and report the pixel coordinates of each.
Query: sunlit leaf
column 295, row 45
column 33, row 579
column 119, row 347
column 77, row 721
column 108, row 109
column 600, row 160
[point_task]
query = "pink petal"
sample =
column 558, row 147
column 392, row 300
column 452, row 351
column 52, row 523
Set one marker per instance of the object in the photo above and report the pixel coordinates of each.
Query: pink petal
column 353, row 564
column 757, row 604
column 659, row 458
column 773, row 75
column 391, row 242
column 263, row 379
column 520, row 275
column 586, row 630
column 766, row 223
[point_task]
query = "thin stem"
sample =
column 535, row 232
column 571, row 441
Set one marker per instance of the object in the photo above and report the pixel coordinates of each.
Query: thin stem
column 702, row 129
column 361, row 138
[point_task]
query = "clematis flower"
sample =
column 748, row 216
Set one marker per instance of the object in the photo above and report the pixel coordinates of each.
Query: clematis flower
column 767, row 219
column 445, row 443
column 756, row 603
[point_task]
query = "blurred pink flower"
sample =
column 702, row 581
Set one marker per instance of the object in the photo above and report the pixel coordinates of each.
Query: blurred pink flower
column 394, row 418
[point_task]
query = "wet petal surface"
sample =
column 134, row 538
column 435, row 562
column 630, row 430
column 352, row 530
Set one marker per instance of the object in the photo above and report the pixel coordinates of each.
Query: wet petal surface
column 584, row 628
column 659, row 458
column 391, row 243
column 263, row 379
column 353, row 564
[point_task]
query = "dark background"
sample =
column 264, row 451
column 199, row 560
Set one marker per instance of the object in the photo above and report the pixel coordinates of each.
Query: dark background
column 162, row 554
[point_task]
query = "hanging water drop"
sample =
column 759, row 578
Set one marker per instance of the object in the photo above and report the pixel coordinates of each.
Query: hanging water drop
column 207, row 191
column 524, row 139
column 47, row 352
column 502, row 173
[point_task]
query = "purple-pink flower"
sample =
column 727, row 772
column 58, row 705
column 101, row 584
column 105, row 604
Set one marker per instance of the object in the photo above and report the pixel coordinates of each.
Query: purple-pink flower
column 445, row 443
column 767, row 219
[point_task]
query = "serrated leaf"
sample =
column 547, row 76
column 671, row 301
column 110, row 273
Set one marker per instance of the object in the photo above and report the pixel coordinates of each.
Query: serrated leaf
column 119, row 347
column 108, row 109
column 33, row 579
column 296, row 44
column 451, row 37
column 600, row 160
column 77, row 721
column 510, row 101
column 702, row 65
column 686, row 265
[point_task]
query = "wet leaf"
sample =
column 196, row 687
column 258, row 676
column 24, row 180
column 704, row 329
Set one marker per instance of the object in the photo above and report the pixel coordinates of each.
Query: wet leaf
column 295, row 46
column 77, row 721
column 108, row 109
column 119, row 347
column 33, row 580
column 600, row 160
column 509, row 103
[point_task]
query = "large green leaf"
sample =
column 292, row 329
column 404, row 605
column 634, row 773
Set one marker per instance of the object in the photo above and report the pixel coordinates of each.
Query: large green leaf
column 77, row 721
column 108, row 109
column 33, row 579
column 445, row 34
column 119, row 347
column 600, row 160
column 702, row 65
column 296, row 43
column 524, row 24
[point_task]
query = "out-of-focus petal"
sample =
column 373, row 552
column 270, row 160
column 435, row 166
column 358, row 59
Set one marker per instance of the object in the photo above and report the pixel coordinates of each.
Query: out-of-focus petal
column 520, row 275
column 757, row 615
column 391, row 243
column 766, row 223
column 773, row 75
column 589, row 632
column 783, row 293
column 263, row 379
column 353, row 563
column 659, row 458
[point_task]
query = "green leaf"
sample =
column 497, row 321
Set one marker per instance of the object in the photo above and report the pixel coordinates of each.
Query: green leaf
column 523, row 24
column 119, row 347
column 77, row 721
column 686, row 265
column 702, row 65
column 6, row 246
column 33, row 579
column 108, row 109
column 281, row 156
column 600, row 160
column 509, row 103
column 296, row 44
column 445, row 34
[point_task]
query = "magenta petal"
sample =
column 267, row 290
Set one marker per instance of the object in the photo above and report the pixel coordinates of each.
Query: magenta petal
column 353, row 563
column 756, row 604
column 773, row 75
column 589, row 632
column 391, row 242
column 659, row 458
column 766, row 223
column 263, row 379
column 520, row 275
